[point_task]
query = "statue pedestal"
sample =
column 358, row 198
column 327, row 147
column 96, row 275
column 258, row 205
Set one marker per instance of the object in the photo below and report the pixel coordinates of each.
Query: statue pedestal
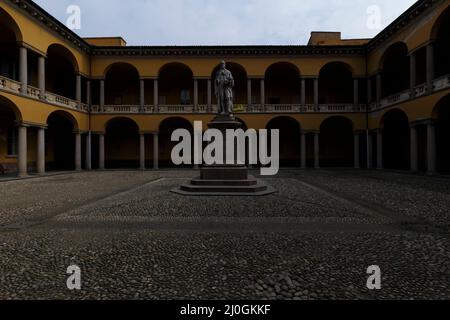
column 225, row 180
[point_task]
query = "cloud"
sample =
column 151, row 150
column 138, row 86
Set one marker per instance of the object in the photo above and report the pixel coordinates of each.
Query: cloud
column 231, row 22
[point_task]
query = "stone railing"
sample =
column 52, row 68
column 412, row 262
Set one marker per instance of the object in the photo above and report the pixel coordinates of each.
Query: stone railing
column 441, row 83
column 9, row 85
column 13, row 86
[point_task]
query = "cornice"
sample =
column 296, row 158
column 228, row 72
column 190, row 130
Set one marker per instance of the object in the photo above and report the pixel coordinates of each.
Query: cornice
column 228, row 50
column 401, row 22
column 50, row 22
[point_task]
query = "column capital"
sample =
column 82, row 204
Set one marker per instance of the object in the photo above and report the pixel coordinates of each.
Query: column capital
column 99, row 133
column 21, row 123
column 422, row 122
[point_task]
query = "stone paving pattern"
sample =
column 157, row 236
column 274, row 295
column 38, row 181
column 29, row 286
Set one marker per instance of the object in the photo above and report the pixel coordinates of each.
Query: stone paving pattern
column 314, row 239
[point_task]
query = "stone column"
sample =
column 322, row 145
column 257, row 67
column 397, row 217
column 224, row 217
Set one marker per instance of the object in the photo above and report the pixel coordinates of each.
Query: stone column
column 413, row 149
column 102, row 95
column 430, row 67
column 431, row 148
column 303, row 92
column 316, row 150
column 23, row 70
column 22, row 156
column 356, row 92
column 249, row 92
column 209, row 94
column 379, row 89
column 142, row 94
column 142, row 151
column 78, row 89
column 88, row 151
column 303, row 150
column 369, row 90
column 40, row 156
column 88, row 94
column 412, row 73
column 101, row 151
column 195, row 94
column 77, row 151
column 41, row 77
column 316, row 93
column 156, row 151
column 369, row 150
column 379, row 149
column 155, row 95
column 356, row 150
column 263, row 94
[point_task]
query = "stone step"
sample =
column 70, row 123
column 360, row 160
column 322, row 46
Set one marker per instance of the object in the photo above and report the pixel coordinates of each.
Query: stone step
column 200, row 182
column 223, row 189
column 224, row 173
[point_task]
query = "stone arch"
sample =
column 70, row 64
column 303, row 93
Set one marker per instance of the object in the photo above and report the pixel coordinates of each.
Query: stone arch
column 282, row 83
column 290, row 136
column 440, row 37
column 441, row 116
column 60, row 140
column 176, row 84
column 122, row 84
column 336, row 142
column 396, row 140
column 336, row 83
column 166, row 128
column 394, row 67
column 61, row 71
column 121, row 143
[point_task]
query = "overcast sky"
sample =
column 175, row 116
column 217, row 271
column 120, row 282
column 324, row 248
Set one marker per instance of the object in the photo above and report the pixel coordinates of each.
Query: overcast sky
column 228, row 22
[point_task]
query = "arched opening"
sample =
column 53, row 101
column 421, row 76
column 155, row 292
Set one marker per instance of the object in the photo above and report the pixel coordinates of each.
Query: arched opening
column 122, row 144
column 442, row 44
column 166, row 128
column 8, row 136
column 442, row 112
column 282, row 84
column 60, row 141
column 336, row 142
column 395, row 69
column 60, row 71
column 176, row 85
column 9, row 50
column 336, row 83
column 396, row 140
column 122, row 85
column 240, row 83
column 290, row 134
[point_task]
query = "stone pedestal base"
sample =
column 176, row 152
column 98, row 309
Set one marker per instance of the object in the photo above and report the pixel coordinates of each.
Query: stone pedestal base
column 225, row 180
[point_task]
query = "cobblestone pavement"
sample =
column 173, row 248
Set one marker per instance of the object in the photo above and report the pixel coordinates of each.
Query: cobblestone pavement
column 314, row 239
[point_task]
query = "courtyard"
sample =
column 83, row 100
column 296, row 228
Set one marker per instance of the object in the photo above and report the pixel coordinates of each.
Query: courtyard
column 314, row 239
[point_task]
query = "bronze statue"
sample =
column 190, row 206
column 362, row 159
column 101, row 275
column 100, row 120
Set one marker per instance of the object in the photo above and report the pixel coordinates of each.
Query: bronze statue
column 224, row 84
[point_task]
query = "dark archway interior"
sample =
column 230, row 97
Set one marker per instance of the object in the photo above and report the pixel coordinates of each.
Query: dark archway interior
column 9, row 52
column 8, row 137
column 122, row 144
column 240, row 83
column 336, row 143
column 395, row 70
column 443, row 135
column 176, row 85
column 289, row 140
column 60, row 72
column 335, row 84
column 166, row 129
column 282, row 84
column 60, row 143
column 122, row 85
column 442, row 46
column 396, row 141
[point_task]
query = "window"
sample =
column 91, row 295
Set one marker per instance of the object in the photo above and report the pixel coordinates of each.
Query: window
column 12, row 141
column 185, row 97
